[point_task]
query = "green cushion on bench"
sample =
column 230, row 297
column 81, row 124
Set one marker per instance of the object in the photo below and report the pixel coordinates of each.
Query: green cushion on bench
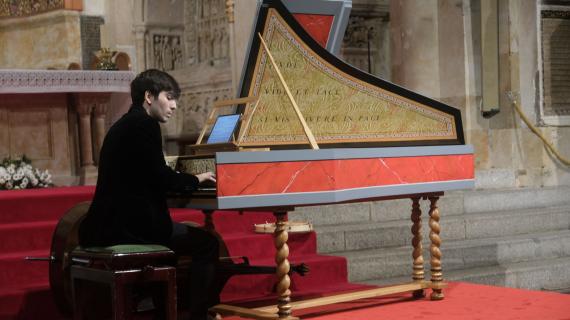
column 127, row 248
column 124, row 256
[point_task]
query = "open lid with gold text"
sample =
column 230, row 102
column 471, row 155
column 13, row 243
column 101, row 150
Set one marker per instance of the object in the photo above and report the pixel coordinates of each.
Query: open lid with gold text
column 341, row 105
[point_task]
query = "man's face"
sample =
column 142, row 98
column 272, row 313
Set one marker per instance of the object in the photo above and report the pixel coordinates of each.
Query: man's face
column 162, row 107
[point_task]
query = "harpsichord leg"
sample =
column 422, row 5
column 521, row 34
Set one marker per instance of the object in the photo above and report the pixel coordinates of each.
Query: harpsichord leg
column 436, row 271
column 417, row 254
column 280, row 237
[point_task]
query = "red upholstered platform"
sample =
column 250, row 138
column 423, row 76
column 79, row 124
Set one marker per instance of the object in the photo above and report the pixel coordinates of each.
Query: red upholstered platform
column 463, row 301
column 28, row 218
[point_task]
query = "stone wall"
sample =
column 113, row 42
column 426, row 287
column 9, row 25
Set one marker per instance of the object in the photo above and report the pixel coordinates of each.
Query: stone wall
column 58, row 118
column 49, row 40
column 438, row 53
column 205, row 74
column 366, row 43
column 432, row 47
column 37, row 127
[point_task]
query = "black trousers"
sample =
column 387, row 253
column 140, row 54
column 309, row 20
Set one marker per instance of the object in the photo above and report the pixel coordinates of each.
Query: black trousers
column 203, row 247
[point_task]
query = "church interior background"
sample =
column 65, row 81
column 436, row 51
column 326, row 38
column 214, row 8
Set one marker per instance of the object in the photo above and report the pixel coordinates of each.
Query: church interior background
column 468, row 54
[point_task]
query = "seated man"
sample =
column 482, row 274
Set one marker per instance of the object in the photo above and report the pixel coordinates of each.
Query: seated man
column 129, row 206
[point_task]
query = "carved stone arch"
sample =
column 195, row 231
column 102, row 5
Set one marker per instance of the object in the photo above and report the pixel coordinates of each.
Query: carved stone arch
column 200, row 9
column 201, row 48
column 225, row 43
column 212, row 44
column 207, row 103
column 216, row 44
column 206, row 9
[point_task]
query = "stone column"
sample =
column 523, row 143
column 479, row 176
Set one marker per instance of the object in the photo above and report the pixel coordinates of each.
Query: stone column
column 140, row 47
column 232, row 52
column 100, row 114
column 414, row 45
column 84, row 107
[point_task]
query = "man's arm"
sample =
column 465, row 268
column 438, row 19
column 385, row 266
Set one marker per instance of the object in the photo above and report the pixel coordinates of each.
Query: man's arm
column 149, row 142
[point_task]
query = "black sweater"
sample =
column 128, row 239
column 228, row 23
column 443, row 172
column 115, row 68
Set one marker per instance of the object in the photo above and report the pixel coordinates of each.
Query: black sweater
column 129, row 205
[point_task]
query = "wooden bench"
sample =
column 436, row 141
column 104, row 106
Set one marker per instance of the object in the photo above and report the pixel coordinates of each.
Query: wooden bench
column 122, row 268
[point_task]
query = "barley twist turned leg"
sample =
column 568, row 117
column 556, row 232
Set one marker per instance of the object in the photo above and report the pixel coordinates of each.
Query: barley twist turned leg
column 280, row 237
column 436, row 272
column 417, row 255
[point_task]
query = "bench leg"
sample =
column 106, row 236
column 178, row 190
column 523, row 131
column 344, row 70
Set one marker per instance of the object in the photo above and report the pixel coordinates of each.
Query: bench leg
column 118, row 300
column 171, row 297
column 76, row 298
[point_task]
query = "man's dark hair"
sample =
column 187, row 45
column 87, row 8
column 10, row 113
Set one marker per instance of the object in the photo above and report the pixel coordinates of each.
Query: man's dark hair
column 155, row 81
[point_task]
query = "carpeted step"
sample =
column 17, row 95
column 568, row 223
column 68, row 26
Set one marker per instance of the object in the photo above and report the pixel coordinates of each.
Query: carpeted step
column 26, row 236
column 225, row 222
column 328, row 275
column 38, row 236
column 464, row 226
column 536, row 275
column 325, row 270
column 464, row 301
column 32, row 301
column 392, row 262
column 14, row 269
column 28, row 217
column 242, row 244
column 47, row 204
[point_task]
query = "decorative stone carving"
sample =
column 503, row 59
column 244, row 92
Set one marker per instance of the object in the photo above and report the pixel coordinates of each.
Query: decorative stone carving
column 366, row 42
column 28, row 7
column 167, row 52
column 205, row 75
column 62, row 139
column 206, row 27
column 230, row 10
column 45, row 81
column 196, row 105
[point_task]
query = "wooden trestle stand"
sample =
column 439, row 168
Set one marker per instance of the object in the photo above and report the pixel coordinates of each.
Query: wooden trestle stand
column 284, row 307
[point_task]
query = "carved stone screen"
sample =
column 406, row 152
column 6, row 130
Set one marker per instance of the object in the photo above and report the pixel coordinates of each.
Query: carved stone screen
column 339, row 103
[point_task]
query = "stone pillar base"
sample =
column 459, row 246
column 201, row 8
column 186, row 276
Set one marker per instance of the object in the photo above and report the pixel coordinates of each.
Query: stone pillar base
column 88, row 175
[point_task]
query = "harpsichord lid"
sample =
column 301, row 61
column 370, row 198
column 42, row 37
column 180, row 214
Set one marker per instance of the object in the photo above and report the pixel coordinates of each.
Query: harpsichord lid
column 341, row 104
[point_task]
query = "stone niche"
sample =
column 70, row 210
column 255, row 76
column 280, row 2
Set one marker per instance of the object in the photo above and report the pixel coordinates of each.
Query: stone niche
column 58, row 118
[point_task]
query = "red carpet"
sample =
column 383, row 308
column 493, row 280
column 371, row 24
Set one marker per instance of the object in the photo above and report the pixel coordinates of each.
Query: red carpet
column 463, row 301
column 28, row 217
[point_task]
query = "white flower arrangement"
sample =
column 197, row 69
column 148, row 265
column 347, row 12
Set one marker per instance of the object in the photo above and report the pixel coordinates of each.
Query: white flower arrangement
column 19, row 174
